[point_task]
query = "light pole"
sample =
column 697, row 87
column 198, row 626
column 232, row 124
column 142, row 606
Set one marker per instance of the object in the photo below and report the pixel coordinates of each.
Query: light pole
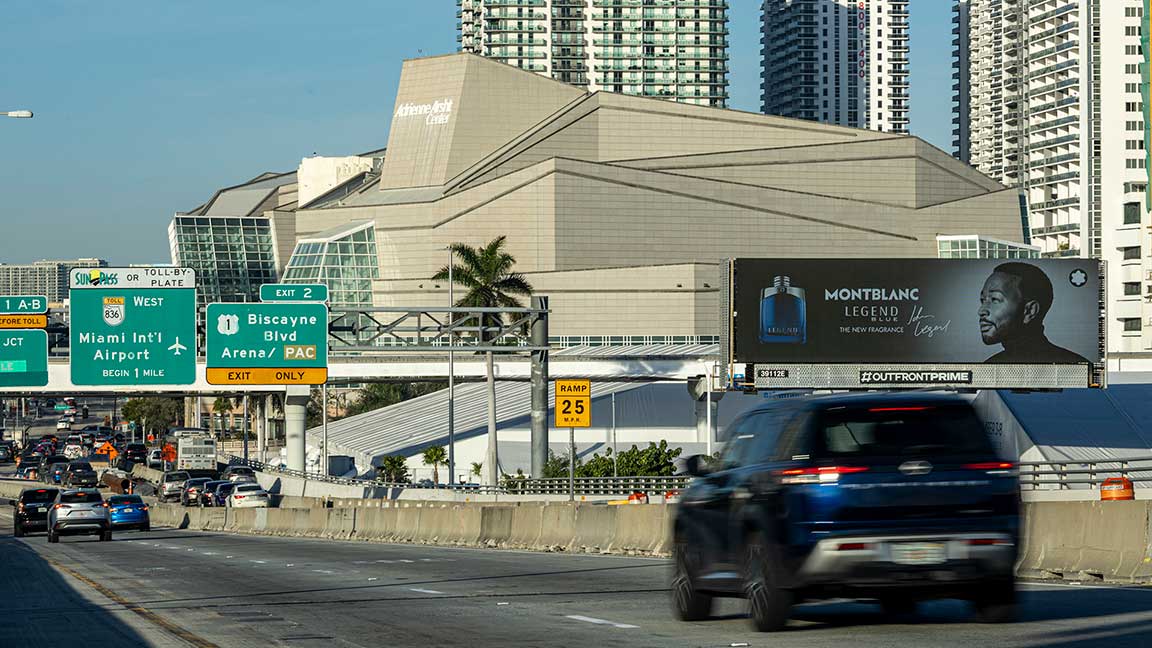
column 451, row 373
column 19, row 114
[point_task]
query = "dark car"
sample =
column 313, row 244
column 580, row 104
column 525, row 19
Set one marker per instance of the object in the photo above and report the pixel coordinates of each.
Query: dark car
column 208, row 492
column 47, row 460
column 135, row 453
column 31, row 510
column 79, row 474
column 221, row 493
column 899, row 498
column 190, row 494
column 238, row 474
column 6, row 454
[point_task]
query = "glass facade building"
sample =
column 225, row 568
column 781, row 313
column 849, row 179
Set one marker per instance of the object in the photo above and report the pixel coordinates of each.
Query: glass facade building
column 980, row 247
column 668, row 49
column 344, row 259
column 232, row 256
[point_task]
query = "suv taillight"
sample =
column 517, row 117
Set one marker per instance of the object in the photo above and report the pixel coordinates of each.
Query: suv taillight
column 817, row 475
column 995, row 467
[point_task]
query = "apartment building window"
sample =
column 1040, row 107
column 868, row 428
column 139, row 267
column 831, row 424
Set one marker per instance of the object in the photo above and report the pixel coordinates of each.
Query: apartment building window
column 1131, row 253
column 1135, row 187
column 1132, row 30
column 1133, row 50
column 1131, row 323
column 1134, row 88
column 1134, row 145
column 1134, row 12
column 1132, row 288
column 1134, row 106
column 1132, row 213
column 1137, row 163
column 1131, row 68
column 1134, row 126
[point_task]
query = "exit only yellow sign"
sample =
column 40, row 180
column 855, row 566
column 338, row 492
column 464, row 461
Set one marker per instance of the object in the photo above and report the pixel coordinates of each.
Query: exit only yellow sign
column 573, row 403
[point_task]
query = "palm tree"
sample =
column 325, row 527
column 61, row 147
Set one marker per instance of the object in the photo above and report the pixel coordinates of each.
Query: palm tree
column 477, row 468
column 394, row 468
column 487, row 276
column 435, row 456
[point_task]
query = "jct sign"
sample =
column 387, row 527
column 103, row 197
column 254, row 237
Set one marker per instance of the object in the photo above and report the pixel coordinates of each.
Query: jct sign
column 267, row 344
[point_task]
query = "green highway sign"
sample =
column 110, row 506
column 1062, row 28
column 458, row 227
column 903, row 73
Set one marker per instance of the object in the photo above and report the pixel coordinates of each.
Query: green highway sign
column 60, row 407
column 133, row 326
column 294, row 293
column 267, row 344
column 23, row 304
column 23, row 358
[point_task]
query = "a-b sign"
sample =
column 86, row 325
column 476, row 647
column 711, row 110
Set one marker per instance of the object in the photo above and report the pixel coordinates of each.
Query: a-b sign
column 573, row 403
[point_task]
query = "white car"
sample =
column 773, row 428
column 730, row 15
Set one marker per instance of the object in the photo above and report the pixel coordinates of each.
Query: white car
column 63, row 424
column 156, row 459
column 249, row 496
column 74, row 450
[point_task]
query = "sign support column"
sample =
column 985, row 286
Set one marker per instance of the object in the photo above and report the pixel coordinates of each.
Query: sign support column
column 295, row 418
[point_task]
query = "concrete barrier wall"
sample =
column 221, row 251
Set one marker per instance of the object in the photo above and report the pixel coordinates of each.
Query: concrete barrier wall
column 1076, row 540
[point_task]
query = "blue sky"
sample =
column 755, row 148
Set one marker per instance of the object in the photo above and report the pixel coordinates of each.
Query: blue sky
column 144, row 108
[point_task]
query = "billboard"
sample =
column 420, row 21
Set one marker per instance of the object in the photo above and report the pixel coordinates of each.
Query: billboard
column 916, row 322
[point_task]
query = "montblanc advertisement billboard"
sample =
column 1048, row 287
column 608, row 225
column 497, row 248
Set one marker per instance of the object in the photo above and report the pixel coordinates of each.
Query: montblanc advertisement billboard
column 917, row 321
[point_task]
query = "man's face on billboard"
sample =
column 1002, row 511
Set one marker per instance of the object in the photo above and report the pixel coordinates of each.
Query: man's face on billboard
column 1003, row 309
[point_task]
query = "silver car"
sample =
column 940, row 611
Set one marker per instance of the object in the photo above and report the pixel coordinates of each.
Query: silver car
column 79, row 512
column 248, row 496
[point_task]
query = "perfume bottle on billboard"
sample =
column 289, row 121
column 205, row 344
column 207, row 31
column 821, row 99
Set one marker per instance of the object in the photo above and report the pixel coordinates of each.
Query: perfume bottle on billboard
column 783, row 314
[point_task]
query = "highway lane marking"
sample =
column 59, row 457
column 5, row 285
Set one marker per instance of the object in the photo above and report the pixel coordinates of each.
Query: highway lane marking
column 323, row 571
column 424, row 591
column 577, row 617
column 164, row 624
column 259, row 562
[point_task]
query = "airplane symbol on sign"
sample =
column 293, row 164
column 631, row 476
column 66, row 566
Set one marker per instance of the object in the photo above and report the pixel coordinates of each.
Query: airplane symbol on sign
column 177, row 347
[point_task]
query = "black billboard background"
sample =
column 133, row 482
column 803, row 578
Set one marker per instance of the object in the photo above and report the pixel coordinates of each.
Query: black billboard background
column 942, row 326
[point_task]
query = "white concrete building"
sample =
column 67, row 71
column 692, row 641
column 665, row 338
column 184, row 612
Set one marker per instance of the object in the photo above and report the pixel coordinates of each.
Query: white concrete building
column 836, row 61
column 669, row 49
column 1052, row 90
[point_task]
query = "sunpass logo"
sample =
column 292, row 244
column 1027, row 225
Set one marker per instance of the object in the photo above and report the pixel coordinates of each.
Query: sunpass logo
column 96, row 278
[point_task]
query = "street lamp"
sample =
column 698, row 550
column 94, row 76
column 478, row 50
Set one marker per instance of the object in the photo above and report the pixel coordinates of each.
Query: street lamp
column 21, row 114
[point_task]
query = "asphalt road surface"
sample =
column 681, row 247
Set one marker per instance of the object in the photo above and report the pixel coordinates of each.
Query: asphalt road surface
column 181, row 588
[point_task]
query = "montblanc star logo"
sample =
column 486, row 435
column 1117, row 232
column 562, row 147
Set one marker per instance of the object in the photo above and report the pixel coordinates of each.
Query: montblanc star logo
column 1078, row 278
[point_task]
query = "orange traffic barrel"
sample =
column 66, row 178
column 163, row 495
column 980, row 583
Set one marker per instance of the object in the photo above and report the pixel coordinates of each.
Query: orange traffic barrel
column 1117, row 488
column 638, row 498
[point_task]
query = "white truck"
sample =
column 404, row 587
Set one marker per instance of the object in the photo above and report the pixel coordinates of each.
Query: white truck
column 196, row 453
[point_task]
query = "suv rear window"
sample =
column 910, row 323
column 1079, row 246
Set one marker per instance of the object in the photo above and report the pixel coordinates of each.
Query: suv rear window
column 248, row 488
column 81, row 498
column 79, row 466
column 900, row 431
column 125, row 499
column 176, row 476
column 38, row 495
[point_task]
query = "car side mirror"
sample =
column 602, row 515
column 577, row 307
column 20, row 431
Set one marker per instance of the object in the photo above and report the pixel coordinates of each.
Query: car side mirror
column 698, row 465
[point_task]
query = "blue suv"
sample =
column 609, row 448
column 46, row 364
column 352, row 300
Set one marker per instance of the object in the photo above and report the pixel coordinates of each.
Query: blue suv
column 894, row 497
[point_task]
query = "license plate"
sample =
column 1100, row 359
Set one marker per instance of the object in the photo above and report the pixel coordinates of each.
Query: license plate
column 41, row 508
column 127, row 510
column 919, row 553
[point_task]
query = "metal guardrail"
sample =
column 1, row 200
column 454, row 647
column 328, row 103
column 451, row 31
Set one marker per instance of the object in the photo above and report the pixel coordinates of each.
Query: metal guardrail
column 1065, row 475
column 1034, row 475
column 584, row 486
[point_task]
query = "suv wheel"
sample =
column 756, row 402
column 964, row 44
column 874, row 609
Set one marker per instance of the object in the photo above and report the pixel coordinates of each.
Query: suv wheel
column 996, row 602
column 105, row 536
column 53, row 537
column 689, row 603
column 18, row 531
column 769, row 603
